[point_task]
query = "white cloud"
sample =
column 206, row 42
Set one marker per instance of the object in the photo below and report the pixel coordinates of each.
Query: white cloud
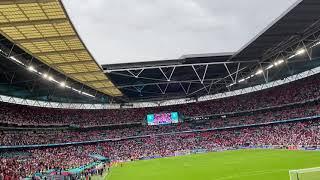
column 118, row 31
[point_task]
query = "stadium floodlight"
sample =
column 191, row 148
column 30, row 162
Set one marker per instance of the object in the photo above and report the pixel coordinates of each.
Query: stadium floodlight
column 292, row 56
column 300, row 52
column 76, row 90
column 269, row 67
column 260, row 71
column 16, row 60
column 87, row 94
column 241, row 80
column 45, row 75
column 316, row 44
column 31, row 68
column 50, row 78
column 279, row 62
column 55, row 81
column 232, row 84
column 62, row 84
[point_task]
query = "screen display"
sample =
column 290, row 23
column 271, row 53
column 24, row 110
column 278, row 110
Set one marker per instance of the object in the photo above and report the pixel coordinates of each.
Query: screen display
column 162, row 118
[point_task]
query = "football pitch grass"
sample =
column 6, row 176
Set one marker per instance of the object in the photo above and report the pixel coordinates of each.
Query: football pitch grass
column 227, row 165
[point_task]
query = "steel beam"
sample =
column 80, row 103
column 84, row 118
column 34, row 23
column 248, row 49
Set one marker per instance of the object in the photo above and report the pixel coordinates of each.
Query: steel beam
column 166, row 82
column 204, row 87
column 164, row 74
column 225, row 65
column 179, row 65
column 237, row 72
column 165, row 89
column 135, row 75
column 140, row 77
column 201, row 79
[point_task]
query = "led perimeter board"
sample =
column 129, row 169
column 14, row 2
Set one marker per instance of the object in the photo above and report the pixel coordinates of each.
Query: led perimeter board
column 163, row 118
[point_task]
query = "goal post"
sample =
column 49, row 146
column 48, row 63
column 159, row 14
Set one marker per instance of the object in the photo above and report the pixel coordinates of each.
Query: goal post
column 305, row 174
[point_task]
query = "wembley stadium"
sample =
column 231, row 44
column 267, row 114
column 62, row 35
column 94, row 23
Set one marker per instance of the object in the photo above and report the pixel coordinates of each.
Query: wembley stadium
column 245, row 115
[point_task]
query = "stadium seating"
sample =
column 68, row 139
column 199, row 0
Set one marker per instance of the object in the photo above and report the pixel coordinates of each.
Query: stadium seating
column 27, row 162
column 246, row 124
column 38, row 160
column 281, row 95
column 65, row 135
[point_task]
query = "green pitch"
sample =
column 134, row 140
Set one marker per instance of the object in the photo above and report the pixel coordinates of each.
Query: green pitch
column 228, row 165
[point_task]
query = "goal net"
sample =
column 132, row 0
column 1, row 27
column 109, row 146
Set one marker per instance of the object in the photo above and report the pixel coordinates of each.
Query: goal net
column 305, row 174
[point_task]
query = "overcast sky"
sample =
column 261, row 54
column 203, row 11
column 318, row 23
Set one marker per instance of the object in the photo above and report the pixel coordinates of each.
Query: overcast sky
column 119, row 31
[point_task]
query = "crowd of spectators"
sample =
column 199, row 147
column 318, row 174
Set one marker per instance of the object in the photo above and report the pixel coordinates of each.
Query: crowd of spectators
column 301, row 133
column 53, row 136
column 293, row 92
column 157, row 141
column 28, row 162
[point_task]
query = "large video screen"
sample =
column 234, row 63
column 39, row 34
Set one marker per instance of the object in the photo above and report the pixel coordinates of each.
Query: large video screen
column 162, row 118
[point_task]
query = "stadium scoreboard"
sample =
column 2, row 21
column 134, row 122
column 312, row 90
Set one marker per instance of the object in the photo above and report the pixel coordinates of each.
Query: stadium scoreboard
column 163, row 118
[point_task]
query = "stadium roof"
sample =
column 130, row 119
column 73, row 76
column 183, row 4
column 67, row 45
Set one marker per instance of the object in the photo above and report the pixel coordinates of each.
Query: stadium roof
column 256, row 63
column 289, row 26
column 43, row 29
